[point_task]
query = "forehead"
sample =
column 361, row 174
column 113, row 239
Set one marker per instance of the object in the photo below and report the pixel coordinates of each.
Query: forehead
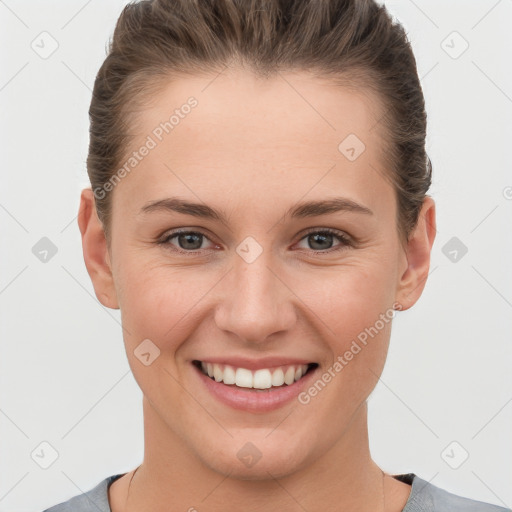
column 233, row 130
column 262, row 107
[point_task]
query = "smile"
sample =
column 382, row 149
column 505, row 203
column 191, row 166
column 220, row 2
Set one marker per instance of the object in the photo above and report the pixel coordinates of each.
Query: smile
column 264, row 378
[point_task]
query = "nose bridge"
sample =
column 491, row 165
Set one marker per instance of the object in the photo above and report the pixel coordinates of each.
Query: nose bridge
column 255, row 302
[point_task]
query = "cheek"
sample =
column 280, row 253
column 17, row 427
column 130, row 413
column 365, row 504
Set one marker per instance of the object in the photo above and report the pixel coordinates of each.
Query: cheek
column 353, row 311
column 164, row 304
column 348, row 299
column 354, row 318
column 157, row 304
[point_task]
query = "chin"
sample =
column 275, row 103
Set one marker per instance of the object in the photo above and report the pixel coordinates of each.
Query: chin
column 261, row 459
column 265, row 469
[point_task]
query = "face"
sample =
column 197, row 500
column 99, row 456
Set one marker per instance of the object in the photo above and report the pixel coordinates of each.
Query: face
column 253, row 278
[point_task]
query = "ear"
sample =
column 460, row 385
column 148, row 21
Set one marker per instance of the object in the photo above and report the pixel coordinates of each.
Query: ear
column 96, row 255
column 417, row 253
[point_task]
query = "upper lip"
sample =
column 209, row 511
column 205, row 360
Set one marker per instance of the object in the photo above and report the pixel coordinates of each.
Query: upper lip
column 255, row 364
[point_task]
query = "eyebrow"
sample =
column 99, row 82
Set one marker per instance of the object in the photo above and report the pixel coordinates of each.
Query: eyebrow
column 300, row 211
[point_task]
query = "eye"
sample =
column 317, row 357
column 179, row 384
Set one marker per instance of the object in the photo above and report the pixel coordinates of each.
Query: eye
column 187, row 241
column 321, row 240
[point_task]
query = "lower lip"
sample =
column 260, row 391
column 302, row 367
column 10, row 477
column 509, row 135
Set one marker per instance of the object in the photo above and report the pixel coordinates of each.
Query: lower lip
column 251, row 400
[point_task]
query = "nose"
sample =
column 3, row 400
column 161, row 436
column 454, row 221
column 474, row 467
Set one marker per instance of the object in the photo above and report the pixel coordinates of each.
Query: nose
column 255, row 300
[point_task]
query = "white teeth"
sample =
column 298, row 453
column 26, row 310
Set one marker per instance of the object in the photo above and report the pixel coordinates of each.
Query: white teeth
column 289, row 376
column 217, row 373
column 229, row 375
column 278, row 377
column 243, row 378
column 260, row 379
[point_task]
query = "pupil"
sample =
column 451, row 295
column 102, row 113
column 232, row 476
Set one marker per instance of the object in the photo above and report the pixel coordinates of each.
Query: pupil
column 189, row 238
column 319, row 237
column 193, row 240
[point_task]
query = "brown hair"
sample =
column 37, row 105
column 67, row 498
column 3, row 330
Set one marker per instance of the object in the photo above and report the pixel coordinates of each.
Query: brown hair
column 352, row 42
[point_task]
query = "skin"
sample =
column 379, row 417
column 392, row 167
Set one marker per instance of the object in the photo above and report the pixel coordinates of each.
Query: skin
column 254, row 148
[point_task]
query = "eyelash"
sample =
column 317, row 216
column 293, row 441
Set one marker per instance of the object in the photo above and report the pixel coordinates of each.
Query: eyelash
column 346, row 242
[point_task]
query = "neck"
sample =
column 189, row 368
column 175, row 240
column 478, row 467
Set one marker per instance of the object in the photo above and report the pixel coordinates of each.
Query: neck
column 344, row 478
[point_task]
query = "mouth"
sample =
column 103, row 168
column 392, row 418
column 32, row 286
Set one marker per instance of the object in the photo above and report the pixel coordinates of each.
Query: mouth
column 260, row 380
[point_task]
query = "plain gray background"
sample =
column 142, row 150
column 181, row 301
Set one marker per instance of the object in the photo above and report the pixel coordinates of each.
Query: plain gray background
column 446, row 391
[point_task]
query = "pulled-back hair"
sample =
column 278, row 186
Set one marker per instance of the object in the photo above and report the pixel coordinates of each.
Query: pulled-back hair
column 352, row 42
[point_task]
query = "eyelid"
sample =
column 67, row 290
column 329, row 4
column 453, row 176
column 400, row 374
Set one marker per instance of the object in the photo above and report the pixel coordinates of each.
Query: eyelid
column 331, row 231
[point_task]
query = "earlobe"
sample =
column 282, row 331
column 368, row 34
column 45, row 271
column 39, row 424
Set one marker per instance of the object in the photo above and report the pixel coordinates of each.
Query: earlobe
column 418, row 250
column 95, row 251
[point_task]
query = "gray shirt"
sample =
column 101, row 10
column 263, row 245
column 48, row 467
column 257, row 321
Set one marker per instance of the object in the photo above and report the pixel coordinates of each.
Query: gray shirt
column 424, row 497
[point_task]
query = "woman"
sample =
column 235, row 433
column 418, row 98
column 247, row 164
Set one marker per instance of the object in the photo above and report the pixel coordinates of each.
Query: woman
column 258, row 213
